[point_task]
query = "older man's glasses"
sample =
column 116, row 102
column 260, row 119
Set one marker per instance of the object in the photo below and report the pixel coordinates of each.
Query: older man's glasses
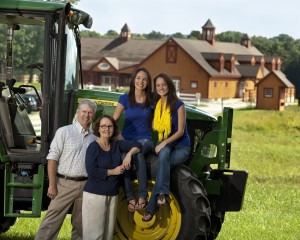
column 106, row 126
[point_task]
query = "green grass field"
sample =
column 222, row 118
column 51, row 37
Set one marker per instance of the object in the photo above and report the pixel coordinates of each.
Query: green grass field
column 267, row 144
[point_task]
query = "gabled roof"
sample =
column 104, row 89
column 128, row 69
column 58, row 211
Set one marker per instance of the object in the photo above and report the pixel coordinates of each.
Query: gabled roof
column 281, row 76
column 113, row 61
column 91, row 47
column 216, row 56
column 247, row 58
column 134, row 51
column 250, row 70
column 199, row 49
column 236, row 48
column 269, row 59
column 127, row 53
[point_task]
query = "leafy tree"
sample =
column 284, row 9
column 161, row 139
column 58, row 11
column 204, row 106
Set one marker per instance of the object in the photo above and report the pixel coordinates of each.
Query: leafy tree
column 155, row 35
column 292, row 72
column 138, row 36
column 111, row 34
column 263, row 44
column 2, row 49
column 27, row 47
column 178, row 35
column 87, row 33
column 229, row 36
column 194, row 35
column 33, row 38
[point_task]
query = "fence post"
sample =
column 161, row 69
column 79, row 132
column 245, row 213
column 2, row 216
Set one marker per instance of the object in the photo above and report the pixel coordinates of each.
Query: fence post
column 198, row 96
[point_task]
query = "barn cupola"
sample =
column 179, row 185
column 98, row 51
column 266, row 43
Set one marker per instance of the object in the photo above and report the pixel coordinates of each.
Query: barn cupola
column 208, row 32
column 125, row 33
column 246, row 41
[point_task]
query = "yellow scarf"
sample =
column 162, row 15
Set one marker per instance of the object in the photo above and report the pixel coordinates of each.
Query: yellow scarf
column 162, row 121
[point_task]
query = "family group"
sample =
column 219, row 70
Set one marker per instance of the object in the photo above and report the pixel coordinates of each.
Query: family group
column 87, row 165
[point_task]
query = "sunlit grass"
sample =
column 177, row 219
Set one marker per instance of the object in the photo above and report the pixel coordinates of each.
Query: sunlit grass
column 26, row 228
column 267, row 144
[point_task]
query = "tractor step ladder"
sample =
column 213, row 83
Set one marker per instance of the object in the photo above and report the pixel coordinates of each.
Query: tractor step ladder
column 23, row 190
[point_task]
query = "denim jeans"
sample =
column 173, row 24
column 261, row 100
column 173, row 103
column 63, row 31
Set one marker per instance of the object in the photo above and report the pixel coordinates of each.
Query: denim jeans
column 141, row 170
column 168, row 157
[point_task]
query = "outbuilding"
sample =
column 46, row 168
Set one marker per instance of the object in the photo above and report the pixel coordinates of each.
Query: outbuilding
column 274, row 91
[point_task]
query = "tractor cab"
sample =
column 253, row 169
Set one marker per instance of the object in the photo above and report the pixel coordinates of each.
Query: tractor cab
column 39, row 75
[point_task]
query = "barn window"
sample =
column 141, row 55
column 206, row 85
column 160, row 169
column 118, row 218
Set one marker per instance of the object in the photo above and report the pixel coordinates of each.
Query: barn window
column 171, row 54
column 268, row 92
column 194, row 84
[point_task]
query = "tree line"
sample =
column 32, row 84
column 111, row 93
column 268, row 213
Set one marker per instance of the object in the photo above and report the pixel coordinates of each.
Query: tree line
column 30, row 47
column 283, row 46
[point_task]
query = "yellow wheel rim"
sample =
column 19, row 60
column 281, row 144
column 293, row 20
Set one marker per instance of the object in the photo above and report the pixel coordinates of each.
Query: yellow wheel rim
column 165, row 224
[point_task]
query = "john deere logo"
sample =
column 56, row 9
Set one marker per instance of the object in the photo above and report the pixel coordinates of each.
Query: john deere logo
column 103, row 66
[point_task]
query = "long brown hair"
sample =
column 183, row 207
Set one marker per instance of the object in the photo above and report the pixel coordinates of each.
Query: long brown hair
column 148, row 90
column 172, row 98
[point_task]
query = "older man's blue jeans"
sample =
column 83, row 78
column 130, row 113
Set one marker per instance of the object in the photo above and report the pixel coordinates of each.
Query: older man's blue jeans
column 168, row 157
column 141, row 170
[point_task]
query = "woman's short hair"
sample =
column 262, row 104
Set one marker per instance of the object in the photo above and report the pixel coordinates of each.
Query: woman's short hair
column 96, row 125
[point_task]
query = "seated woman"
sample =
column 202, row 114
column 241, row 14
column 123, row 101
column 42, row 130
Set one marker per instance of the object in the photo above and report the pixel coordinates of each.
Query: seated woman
column 138, row 107
column 173, row 145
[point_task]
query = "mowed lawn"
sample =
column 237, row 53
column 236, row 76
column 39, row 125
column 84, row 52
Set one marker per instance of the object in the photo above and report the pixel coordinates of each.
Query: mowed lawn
column 267, row 145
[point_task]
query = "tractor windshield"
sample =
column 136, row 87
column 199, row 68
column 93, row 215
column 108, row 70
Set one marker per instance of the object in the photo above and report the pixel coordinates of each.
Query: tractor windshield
column 71, row 60
column 38, row 64
column 21, row 58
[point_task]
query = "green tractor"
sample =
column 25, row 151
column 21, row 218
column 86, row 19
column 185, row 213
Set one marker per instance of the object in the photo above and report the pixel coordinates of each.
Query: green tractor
column 202, row 191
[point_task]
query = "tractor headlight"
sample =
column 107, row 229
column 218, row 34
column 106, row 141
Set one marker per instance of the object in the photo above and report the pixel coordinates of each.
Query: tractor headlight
column 78, row 17
column 209, row 151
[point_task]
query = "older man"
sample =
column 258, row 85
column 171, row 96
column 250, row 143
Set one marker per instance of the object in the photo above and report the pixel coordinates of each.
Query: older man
column 67, row 173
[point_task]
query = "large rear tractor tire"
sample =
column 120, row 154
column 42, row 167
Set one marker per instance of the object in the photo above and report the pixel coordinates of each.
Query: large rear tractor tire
column 185, row 216
column 217, row 219
column 194, row 204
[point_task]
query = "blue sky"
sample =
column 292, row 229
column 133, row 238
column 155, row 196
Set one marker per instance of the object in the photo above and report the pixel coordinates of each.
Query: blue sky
column 267, row 18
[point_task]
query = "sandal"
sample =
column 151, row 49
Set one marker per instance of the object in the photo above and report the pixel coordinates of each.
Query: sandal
column 131, row 205
column 147, row 216
column 142, row 205
column 161, row 200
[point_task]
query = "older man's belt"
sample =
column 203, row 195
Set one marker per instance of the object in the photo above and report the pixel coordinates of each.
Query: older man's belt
column 71, row 178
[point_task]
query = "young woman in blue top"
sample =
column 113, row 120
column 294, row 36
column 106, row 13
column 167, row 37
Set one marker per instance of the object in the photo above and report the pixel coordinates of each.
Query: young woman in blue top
column 138, row 107
column 173, row 145
column 104, row 165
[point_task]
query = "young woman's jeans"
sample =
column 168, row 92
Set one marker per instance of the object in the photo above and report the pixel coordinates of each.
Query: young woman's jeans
column 168, row 157
column 141, row 170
